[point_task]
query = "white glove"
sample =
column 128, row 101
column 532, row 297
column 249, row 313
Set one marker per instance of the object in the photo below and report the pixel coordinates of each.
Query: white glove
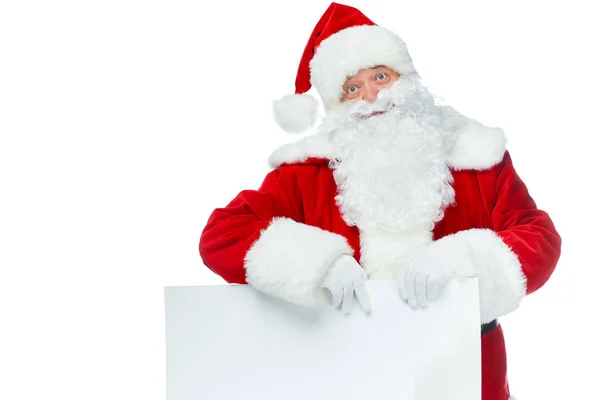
column 345, row 278
column 423, row 280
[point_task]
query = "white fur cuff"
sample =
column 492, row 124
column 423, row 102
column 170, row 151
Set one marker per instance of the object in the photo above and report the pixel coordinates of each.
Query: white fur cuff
column 289, row 260
column 483, row 254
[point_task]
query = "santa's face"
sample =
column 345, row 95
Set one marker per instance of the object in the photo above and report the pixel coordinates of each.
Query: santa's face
column 400, row 106
column 391, row 159
column 367, row 83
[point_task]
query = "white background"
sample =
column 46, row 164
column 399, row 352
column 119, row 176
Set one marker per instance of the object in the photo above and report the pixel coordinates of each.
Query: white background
column 118, row 119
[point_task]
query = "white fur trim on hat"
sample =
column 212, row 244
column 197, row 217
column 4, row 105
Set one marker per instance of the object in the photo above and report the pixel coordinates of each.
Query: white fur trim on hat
column 296, row 113
column 343, row 54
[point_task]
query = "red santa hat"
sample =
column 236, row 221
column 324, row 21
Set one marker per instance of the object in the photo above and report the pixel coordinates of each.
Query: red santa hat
column 343, row 42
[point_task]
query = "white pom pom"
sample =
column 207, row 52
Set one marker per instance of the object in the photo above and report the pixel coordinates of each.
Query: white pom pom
column 296, row 113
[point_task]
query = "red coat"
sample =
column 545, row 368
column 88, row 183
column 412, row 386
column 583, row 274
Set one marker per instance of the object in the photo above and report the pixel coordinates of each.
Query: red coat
column 282, row 237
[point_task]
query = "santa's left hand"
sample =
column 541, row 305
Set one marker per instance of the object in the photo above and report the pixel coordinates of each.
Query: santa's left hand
column 422, row 281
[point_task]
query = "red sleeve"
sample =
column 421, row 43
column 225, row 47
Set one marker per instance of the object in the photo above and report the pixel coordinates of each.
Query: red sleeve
column 511, row 259
column 260, row 238
column 231, row 230
column 526, row 230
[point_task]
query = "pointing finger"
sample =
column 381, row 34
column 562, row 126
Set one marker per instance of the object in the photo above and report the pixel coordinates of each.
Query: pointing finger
column 402, row 288
column 420, row 289
column 363, row 296
column 348, row 298
column 409, row 280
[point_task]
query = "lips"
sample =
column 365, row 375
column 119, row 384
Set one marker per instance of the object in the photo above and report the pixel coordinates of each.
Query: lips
column 380, row 111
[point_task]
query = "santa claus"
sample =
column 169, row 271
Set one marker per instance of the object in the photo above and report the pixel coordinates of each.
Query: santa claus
column 393, row 185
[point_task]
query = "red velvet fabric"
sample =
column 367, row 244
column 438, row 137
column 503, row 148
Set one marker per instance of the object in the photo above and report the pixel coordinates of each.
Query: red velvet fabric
column 496, row 199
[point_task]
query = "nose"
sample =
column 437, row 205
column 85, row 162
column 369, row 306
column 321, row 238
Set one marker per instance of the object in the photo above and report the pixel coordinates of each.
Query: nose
column 369, row 93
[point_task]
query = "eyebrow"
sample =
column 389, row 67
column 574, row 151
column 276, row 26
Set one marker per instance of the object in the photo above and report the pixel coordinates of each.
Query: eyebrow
column 348, row 82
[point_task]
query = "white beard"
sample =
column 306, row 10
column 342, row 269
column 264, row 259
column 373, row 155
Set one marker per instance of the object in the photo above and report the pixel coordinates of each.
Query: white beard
column 390, row 169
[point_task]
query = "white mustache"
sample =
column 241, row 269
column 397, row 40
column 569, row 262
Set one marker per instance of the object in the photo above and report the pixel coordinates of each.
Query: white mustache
column 370, row 109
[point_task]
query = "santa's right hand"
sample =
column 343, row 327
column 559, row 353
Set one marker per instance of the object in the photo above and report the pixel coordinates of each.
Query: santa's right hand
column 345, row 279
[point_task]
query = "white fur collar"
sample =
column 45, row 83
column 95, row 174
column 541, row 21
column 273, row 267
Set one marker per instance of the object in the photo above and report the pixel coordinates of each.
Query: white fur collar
column 476, row 146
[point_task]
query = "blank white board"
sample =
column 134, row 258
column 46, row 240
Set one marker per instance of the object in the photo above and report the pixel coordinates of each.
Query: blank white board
column 230, row 342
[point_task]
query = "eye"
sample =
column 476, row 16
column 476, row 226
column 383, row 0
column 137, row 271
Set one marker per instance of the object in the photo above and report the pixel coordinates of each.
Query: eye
column 381, row 76
column 351, row 89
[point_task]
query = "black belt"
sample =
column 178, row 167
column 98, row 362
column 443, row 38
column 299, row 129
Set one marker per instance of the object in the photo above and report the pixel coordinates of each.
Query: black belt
column 485, row 328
